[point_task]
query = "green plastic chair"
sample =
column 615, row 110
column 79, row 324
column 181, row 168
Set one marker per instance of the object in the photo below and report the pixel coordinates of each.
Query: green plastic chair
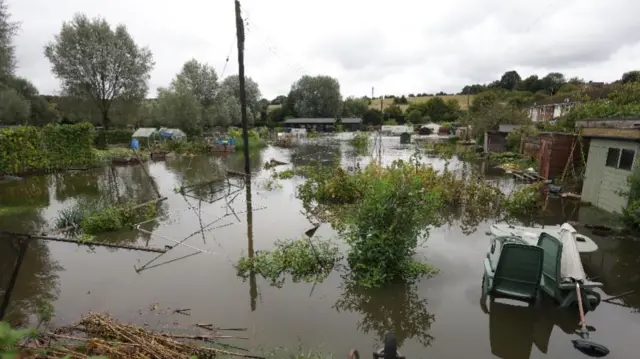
column 552, row 283
column 517, row 275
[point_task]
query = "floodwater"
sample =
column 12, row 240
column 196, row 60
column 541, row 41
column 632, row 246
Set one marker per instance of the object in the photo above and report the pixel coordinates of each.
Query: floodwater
column 440, row 317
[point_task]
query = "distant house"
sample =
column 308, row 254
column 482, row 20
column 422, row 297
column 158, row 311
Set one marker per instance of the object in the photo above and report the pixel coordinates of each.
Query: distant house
column 396, row 130
column 613, row 156
column 550, row 111
column 324, row 124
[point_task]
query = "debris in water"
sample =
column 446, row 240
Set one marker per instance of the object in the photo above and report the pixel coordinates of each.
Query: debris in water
column 104, row 336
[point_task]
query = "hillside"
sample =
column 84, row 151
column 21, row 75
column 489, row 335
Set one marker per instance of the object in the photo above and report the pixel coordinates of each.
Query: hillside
column 375, row 104
column 462, row 100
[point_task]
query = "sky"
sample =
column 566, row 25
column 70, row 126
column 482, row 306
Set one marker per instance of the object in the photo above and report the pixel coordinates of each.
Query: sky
column 397, row 47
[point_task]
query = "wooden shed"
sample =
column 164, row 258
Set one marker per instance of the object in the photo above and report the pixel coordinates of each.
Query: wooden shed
column 554, row 150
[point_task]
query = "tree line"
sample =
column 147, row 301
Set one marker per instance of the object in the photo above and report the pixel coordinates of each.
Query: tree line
column 104, row 78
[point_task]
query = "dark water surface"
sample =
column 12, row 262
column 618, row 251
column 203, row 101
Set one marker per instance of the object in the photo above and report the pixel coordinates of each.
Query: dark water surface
column 440, row 317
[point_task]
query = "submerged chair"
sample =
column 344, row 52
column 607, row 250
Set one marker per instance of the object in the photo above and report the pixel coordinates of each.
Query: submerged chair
column 517, row 274
column 562, row 268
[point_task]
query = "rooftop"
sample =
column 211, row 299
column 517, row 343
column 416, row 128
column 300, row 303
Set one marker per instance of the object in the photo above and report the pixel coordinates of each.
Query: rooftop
column 321, row 121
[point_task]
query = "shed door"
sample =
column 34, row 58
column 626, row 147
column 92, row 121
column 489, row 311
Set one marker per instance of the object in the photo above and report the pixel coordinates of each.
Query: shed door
column 594, row 173
column 545, row 153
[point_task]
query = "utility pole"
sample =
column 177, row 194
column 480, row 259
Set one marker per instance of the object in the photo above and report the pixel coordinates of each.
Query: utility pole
column 372, row 96
column 245, row 139
column 243, row 93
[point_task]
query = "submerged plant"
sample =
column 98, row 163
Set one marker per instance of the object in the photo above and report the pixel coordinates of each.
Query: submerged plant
column 384, row 213
column 99, row 216
column 304, row 260
column 360, row 142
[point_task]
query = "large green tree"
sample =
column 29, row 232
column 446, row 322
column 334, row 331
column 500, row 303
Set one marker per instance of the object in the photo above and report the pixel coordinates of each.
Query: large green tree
column 8, row 29
column 510, row 80
column 102, row 64
column 316, row 96
column 179, row 107
column 201, row 79
column 355, row 107
column 229, row 100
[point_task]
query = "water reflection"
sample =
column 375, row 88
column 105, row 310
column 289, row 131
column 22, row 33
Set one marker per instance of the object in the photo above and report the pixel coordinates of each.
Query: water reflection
column 37, row 280
column 314, row 154
column 514, row 329
column 31, row 192
column 73, row 184
column 253, row 286
column 396, row 308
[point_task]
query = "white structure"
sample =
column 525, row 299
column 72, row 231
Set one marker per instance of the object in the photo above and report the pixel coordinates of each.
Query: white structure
column 396, row 130
column 550, row 111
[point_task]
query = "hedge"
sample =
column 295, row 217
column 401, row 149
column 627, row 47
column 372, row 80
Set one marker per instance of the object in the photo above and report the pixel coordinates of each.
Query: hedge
column 28, row 149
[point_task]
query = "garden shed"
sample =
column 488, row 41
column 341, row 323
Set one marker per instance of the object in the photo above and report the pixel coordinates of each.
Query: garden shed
column 174, row 134
column 613, row 157
column 145, row 135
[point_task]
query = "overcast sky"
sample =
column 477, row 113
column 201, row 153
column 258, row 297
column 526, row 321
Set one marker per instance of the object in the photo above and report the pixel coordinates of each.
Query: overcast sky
column 398, row 47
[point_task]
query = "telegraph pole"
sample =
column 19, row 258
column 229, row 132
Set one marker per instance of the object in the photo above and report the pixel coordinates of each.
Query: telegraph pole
column 245, row 139
column 243, row 94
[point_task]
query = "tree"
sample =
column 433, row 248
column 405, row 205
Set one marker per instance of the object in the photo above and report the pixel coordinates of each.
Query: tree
column 493, row 113
column 229, row 101
column 372, row 117
column 14, row 109
column 355, row 107
column 316, row 96
column 631, row 76
column 400, row 100
column 8, row 29
column 179, row 107
column 482, row 101
column 393, row 111
column 201, row 80
column 510, row 80
column 552, row 82
column 98, row 63
column 280, row 100
column 531, row 84
column 415, row 117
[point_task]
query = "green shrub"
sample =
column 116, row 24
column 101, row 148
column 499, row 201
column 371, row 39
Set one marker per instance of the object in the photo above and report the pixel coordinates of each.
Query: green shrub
column 53, row 147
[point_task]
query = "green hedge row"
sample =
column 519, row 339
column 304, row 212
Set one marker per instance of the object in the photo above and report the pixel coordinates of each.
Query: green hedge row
column 27, row 149
column 118, row 136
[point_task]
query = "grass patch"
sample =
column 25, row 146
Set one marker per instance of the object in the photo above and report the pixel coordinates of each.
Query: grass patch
column 304, row 260
column 93, row 217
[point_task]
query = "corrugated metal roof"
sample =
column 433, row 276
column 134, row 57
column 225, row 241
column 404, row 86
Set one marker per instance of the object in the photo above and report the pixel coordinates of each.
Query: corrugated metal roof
column 321, row 121
column 144, row 132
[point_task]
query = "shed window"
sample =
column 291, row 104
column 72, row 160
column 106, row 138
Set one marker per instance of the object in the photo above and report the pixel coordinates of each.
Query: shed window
column 612, row 157
column 626, row 159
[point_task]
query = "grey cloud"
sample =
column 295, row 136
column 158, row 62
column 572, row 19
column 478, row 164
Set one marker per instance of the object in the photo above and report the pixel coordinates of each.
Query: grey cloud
column 406, row 46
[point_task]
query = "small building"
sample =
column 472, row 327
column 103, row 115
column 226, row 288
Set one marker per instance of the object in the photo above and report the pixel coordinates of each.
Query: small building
column 174, row 134
column 495, row 141
column 324, row 124
column 555, row 152
column 395, row 130
column 613, row 156
column 405, row 138
column 145, row 136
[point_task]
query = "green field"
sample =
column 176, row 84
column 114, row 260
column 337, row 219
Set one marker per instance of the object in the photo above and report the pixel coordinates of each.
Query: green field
column 462, row 100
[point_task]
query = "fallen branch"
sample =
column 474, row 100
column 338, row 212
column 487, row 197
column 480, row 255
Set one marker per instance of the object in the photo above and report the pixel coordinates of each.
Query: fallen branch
column 85, row 243
column 149, row 202
column 183, row 311
column 213, row 328
column 210, row 338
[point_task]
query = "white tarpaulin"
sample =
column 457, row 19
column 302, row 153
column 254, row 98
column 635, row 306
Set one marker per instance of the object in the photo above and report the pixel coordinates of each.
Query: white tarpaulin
column 570, row 264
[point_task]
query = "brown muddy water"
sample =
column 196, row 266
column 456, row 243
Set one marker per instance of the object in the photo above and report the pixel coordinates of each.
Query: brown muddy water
column 440, row 317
